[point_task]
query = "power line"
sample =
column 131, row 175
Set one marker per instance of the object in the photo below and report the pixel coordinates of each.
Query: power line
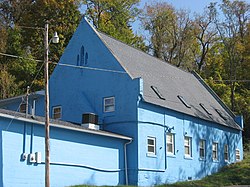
column 68, row 65
column 100, row 69
column 14, row 56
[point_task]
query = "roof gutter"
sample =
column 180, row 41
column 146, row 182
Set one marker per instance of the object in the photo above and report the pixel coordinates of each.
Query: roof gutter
column 65, row 127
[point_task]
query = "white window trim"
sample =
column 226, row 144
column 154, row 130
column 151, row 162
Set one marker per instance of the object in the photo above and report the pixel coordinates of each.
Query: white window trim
column 154, row 146
column 216, row 151
column 189, row 146
column 204, row 149
column 226, row 146
column 105, row 106
column 237, row 153
column 170, row 143
column 53, row 112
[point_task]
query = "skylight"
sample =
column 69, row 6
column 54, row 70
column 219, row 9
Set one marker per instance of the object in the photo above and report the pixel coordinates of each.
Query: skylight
column 183, row 101
column 221, row 114
column 157, row 92
column 204, row 108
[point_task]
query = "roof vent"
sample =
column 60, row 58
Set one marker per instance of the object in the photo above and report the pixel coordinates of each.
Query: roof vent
column 157, row 92
column 183, row 101
column 221, row 114
column 204, row 108
column 90, row 120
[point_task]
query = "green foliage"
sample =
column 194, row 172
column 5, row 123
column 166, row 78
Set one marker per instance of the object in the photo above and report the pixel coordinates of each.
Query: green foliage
column 22, row 28
column 113, row 17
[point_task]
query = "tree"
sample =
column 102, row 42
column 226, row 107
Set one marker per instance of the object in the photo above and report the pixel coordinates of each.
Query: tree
column 19, row 19
column 232, row 31
column 170, row 33
column 8, row 86
column 114, row 18
column 205, row 33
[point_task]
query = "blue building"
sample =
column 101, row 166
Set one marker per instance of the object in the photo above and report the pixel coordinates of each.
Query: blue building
column 165, row 124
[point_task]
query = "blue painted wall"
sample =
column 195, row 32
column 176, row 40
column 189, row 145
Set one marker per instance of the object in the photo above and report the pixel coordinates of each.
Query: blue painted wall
column 162, row 168
column 99, row 155
column 79, row 90
column 14, row 105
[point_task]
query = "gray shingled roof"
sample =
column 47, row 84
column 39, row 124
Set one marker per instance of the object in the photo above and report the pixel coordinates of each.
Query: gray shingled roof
column 57, row 123
column 170, row 82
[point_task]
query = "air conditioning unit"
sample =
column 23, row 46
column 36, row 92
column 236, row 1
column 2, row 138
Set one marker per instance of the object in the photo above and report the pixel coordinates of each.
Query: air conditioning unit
column 90, row 120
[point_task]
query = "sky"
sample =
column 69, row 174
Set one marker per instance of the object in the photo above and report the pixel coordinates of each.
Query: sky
column 195, row 6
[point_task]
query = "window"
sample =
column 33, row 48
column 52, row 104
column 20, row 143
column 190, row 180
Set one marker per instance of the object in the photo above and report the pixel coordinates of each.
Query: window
column 170, row 143
column 215, row 151
column 151, row 146
column 237, row 154
column 22, row 108
column 109, row 104
column 202, row 145
column 57, row 112
column 188, row 146
column 226, row 152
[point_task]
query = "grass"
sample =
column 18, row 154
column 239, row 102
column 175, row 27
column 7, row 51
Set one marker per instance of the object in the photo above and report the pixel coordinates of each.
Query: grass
column 234, row 174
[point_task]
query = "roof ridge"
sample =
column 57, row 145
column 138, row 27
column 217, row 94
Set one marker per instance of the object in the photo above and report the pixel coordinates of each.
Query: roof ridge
column 158, row 59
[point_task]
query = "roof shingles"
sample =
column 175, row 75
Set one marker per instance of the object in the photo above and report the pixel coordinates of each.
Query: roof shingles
column 170, row 80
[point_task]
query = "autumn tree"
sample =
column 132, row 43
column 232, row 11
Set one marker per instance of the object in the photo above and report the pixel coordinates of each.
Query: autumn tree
column 205, row 34
column 170, row 33
column 114, row 17
column 232, row 30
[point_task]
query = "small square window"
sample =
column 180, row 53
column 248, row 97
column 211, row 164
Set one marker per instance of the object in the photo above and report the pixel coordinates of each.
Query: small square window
column 57, row 112
column 226, row 155
column 188, row 146
column 151, row 145
column 202, row 145
column 215, row 151
column 109, row 104
column 170, row 143
column 237, row 154
column 22, row 108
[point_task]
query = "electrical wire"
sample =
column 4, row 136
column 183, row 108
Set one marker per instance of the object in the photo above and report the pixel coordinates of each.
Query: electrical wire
column 105, row 70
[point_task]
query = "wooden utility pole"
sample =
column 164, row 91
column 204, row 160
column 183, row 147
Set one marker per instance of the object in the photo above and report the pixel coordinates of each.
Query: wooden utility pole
column 46, row 79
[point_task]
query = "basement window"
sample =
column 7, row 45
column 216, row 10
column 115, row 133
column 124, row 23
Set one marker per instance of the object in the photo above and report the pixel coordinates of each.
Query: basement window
column 204, row 108
column 221, row 114
column 183, row 101
column 57, row 112
column 157, row 92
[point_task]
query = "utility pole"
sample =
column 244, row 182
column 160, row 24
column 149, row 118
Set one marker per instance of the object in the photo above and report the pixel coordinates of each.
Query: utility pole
column 46, row 79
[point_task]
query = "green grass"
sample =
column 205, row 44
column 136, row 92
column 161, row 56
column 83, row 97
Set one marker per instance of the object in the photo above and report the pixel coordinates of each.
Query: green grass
column 234, row 174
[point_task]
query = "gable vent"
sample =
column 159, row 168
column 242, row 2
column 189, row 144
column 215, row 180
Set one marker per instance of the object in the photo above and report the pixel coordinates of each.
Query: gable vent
column 221, row 114
column 158, row 93
column 183, row 101
column 204, row 108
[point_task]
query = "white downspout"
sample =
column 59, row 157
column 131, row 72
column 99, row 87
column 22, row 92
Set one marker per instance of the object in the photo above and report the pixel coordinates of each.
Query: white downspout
column 125, row 160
